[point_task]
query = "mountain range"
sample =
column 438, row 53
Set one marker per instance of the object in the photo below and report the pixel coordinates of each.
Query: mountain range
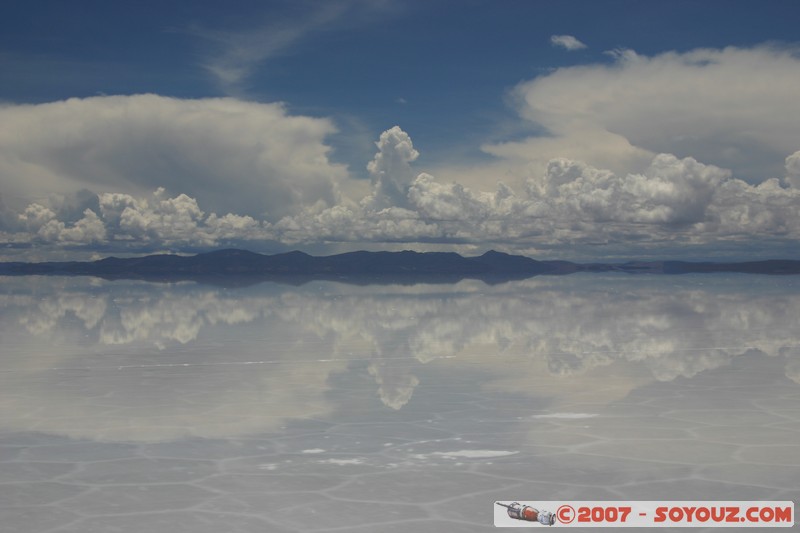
column 366, row 266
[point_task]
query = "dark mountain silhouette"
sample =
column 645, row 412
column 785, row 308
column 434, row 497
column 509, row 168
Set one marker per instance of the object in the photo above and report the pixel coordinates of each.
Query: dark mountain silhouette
column 364, row 267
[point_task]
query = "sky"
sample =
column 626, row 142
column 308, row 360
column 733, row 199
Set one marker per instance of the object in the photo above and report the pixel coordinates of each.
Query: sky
column 556, row 129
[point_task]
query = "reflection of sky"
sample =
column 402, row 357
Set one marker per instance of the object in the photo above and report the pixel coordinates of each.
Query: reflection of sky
column 137, row 361
column 128, row 406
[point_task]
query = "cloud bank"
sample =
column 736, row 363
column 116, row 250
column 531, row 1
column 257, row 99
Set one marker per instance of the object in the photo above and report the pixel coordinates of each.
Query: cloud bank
column 729, row 107
column 231, row 156
column 695, row 148
column 672, row 200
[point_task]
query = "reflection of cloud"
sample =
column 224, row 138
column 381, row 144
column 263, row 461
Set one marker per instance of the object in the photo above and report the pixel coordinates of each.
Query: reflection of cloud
column 53, row 382
column 793, row 369
column 241, row 362
column 159, row 404
column 674, row 332
column 395, row 388
column 173, row 314
column 48, row 312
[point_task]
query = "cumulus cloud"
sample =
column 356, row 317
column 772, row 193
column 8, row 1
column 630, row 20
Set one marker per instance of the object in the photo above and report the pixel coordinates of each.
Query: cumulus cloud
column 567, row 42
column 86, row 230
column 670, row 191
column 232, row 156
column 730, row 107
column 672, row 199
column 687, row 147
column 128, row 221
column 36, row 216
column 391, row 169
column 166, row 220
column 793, row 170
column 41, row 222
column 742, row 210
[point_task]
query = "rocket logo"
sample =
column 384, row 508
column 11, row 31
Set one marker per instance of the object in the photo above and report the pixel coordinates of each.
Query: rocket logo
column 527, row 513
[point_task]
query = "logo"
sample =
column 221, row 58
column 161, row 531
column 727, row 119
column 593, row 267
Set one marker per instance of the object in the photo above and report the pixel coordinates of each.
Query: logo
column 600, row 514
column 517, row 511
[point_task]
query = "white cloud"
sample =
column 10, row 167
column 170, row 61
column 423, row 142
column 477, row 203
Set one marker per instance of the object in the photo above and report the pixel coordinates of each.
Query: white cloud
column 178, row 220
column 128, row 221
column 41, row 222
column 669, row 191
column 731, row 107
column 793, row 170
column 680, row 147
column 742, row 210
column 89, row 229
column 355, row 224
column 173, row 219
column 571, row 202
column 391, row 170
column 451, row 202
column 232, row 226
column 567, row 42
column 36, row 216
column 672, row 200
column 231, row 156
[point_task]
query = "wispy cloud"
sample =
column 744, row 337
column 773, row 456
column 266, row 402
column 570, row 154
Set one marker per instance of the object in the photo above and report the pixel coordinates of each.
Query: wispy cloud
column 237, row 54
column 567, row 41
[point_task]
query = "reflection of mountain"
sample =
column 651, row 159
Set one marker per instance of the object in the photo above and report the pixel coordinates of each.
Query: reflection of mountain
column 138, row 361
column 364, row 266
column 356, row 266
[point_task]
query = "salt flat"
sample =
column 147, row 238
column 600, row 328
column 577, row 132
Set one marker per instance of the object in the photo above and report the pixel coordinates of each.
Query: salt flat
column 128, row 406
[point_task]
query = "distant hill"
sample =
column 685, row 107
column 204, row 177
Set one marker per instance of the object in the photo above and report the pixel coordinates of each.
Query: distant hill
column 364, row 266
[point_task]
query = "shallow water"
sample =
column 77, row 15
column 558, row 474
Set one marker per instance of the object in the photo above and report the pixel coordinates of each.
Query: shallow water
column 130, row 406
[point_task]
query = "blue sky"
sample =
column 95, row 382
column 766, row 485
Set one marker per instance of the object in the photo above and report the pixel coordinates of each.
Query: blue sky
column 556, row 129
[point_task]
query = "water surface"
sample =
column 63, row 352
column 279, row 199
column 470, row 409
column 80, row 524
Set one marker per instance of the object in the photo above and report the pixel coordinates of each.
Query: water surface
column 130, row 406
